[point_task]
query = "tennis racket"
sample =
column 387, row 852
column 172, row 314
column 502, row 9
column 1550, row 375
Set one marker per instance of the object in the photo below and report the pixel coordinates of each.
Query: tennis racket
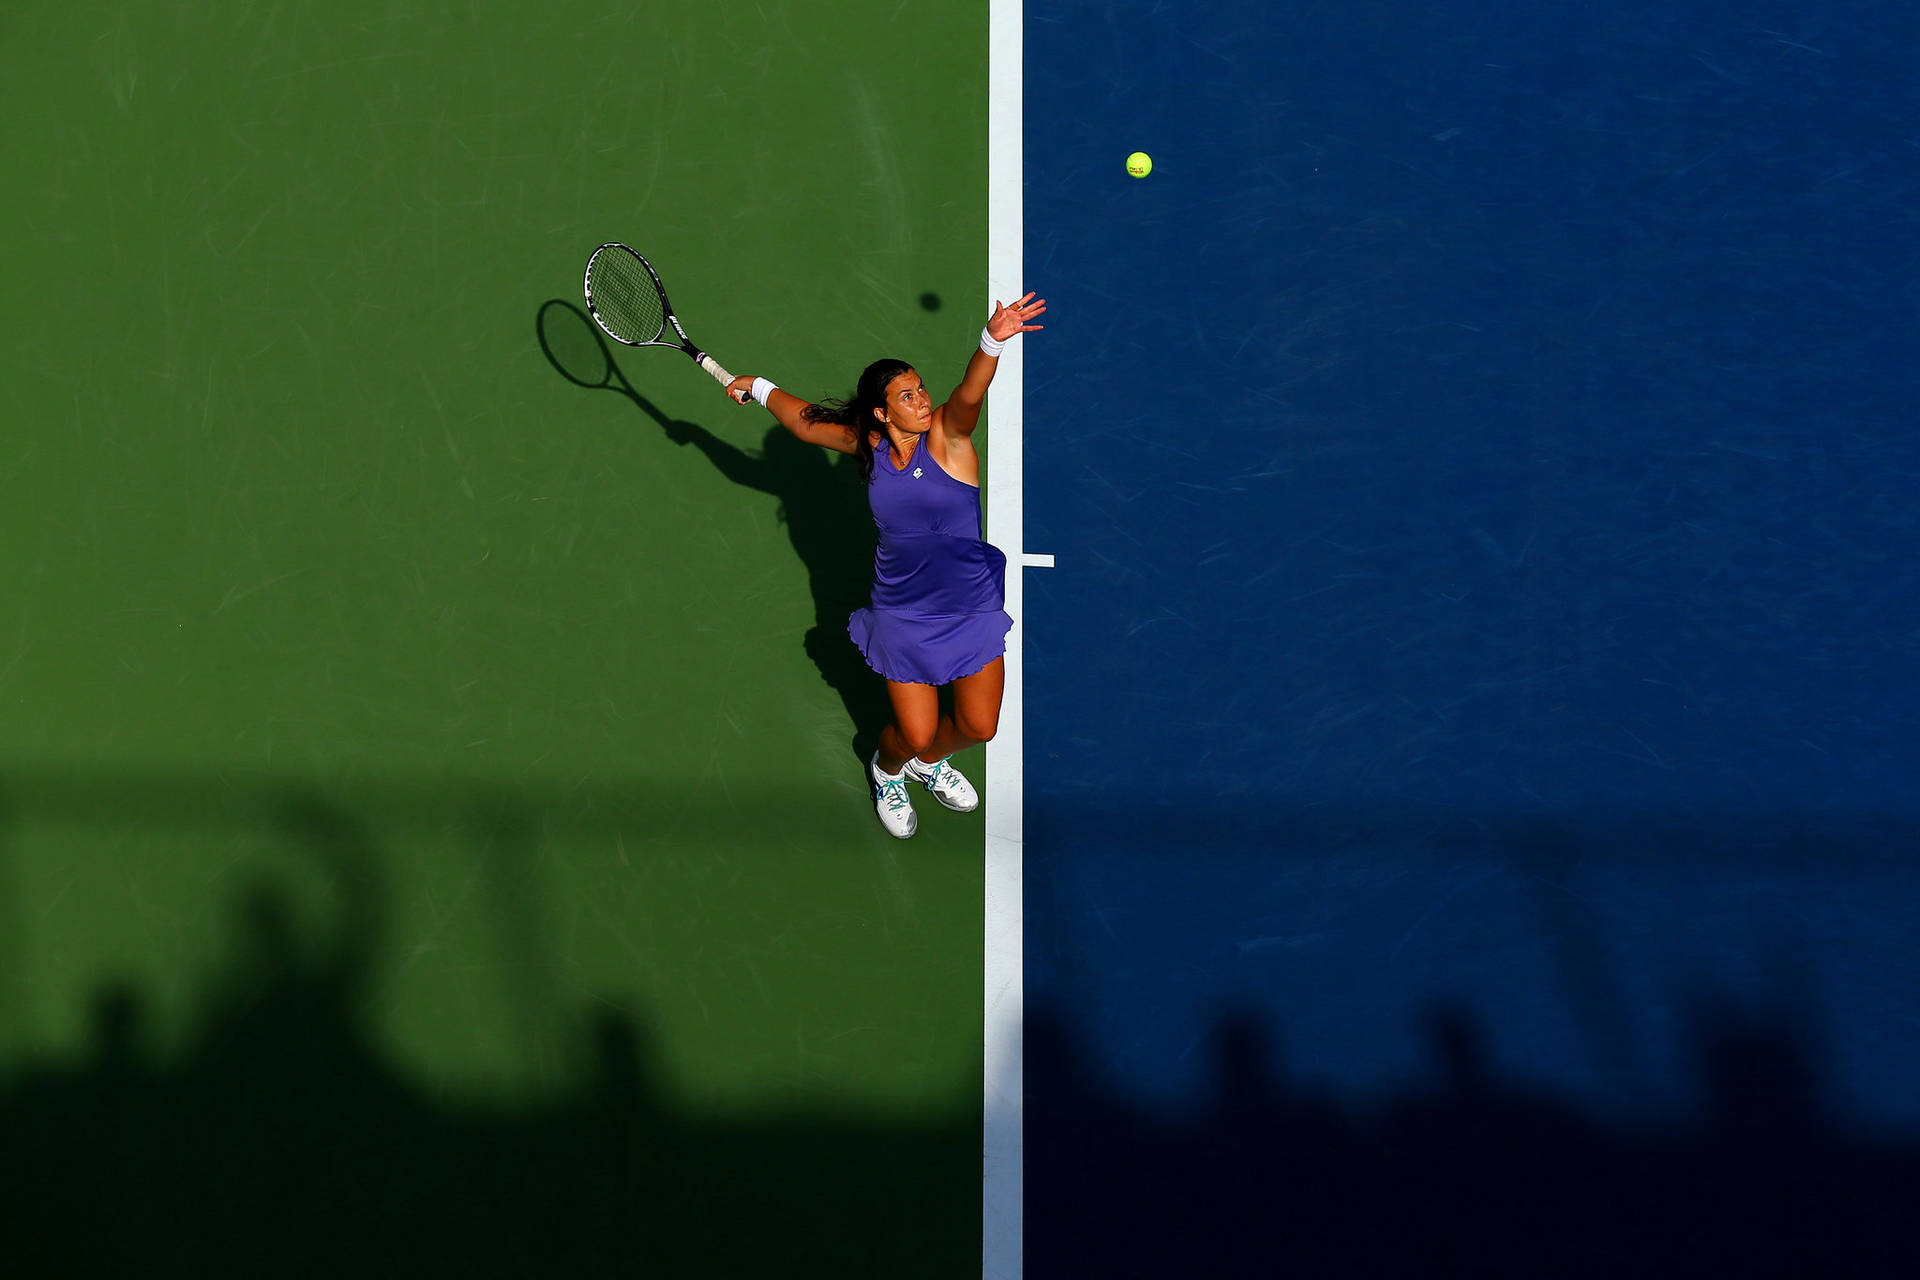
column 626, row 298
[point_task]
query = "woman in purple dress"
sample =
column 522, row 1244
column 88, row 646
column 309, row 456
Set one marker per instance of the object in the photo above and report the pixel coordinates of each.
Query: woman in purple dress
column 938, row 614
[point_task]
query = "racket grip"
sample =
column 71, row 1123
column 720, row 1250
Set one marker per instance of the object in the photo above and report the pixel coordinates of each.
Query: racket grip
column 712, row 366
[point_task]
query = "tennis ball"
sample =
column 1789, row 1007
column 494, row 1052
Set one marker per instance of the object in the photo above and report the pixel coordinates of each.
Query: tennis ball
column 1139, row 164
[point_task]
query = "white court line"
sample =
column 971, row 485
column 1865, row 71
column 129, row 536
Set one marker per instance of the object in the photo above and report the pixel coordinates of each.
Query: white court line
column 1002, row 1181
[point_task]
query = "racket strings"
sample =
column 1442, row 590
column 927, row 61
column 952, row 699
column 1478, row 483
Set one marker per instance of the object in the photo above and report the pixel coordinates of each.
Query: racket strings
column 624, row 297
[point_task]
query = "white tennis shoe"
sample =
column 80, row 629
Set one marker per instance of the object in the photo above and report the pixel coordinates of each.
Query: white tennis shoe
column 890, row 801
column 949, row 786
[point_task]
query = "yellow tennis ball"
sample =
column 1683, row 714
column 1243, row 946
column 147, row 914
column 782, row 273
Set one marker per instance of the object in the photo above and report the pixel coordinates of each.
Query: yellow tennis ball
column 1139, row 164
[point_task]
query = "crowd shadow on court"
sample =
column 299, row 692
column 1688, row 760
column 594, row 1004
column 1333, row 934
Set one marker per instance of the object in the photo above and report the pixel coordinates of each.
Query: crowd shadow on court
column 1467, row 1174
column 822, row 501
column 279, row 1139
column 1752, row 1158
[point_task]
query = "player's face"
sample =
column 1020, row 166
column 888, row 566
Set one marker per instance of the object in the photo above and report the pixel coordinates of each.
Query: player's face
column 909, row 407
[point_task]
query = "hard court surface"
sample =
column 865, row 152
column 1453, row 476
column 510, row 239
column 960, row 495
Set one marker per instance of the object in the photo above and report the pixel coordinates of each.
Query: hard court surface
column 425, row 783
column 1469, row 722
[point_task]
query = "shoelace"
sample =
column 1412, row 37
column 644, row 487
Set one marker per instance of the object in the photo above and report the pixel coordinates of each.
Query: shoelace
column 894, row 793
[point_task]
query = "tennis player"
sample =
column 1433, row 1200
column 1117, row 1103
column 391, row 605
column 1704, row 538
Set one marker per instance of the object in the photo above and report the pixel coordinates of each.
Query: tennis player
column 938, row 614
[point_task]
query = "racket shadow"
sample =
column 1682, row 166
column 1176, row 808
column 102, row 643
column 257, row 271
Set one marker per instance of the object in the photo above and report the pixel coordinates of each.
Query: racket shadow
column 822, row 506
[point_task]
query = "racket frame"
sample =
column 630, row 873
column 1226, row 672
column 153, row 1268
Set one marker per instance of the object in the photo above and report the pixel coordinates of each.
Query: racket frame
column 685, row 343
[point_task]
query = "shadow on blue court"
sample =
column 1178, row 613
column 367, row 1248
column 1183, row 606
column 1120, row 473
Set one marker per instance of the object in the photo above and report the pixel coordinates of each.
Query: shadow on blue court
column 1479, row 461
column 1468, row 1173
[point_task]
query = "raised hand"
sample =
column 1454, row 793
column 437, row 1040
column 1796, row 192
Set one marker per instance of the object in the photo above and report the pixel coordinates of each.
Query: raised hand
column 1009, row 320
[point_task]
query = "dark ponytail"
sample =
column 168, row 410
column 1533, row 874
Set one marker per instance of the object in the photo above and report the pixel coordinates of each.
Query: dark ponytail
column 856, row 412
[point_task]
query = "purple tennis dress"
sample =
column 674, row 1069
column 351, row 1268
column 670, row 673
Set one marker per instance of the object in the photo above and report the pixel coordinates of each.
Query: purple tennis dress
column 939, row 591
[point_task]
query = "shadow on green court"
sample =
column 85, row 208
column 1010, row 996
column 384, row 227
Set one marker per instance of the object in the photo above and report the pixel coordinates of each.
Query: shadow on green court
column 822, row 504
column 280, row 1139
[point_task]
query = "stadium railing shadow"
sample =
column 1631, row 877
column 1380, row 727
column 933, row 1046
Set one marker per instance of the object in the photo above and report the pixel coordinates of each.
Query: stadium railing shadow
column 822, row 504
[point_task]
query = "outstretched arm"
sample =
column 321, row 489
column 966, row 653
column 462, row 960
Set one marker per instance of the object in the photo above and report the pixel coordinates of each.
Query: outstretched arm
column 790, row 411
column 962, row 410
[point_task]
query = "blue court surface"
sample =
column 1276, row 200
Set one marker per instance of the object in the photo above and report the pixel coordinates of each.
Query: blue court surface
column 1471, row 726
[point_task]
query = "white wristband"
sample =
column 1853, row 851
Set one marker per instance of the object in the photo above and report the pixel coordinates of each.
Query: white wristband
column 761, row 390
column 990, row 344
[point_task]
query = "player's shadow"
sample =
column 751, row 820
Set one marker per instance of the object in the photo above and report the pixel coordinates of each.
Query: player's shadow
column 822, row 504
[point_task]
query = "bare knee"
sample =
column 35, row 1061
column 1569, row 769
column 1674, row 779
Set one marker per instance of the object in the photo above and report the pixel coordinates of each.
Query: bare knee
column 916, row 739
column 916, row 717
column 977, row 726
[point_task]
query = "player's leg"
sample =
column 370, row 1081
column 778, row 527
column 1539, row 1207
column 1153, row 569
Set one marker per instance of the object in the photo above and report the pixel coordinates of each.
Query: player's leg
column 975, row 719
column 916, row 723
column 916, row 719
column 976, row 712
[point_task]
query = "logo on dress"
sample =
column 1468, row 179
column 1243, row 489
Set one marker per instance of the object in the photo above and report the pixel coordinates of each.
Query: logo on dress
column 917, row 473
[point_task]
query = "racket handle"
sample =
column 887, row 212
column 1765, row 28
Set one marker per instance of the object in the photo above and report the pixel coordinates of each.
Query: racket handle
column 712, row 366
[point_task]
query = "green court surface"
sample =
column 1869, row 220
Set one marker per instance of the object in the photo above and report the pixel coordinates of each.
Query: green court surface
column 358, row 663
